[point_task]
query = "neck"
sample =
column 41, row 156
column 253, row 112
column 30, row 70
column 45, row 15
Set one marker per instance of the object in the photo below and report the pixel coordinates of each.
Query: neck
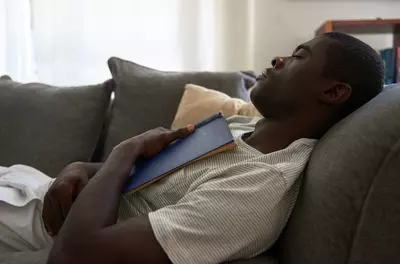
column 272, row 135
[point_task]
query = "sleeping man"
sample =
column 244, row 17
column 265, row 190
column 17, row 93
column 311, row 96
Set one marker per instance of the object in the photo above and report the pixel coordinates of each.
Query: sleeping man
column 230, row 206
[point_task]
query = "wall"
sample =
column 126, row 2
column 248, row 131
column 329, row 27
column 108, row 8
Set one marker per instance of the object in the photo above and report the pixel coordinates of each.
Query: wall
column 2, row 40
column 280, row 25
column 233, row 38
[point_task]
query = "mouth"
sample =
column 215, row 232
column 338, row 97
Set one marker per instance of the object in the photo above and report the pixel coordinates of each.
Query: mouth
column 262, row 76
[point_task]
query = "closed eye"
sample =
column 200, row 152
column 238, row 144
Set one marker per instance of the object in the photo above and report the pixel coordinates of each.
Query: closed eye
column 296, row 56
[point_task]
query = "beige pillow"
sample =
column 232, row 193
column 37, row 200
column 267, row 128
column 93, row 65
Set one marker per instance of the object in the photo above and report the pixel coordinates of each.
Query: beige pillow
column 198, row 103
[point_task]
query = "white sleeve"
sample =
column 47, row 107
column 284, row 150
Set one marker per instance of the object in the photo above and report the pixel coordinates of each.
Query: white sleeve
column 226, row 218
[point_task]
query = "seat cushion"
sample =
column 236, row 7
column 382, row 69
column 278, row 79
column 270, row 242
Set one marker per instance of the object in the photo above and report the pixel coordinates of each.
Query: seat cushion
column 48, row 127
column 146, row 98
column 40, row 257
column 261, row 259
column 33, row 257
column 348, row 209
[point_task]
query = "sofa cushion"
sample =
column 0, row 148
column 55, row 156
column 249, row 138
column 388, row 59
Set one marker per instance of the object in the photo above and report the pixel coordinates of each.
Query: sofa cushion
column 48, row 127
column 40, row 257
column 249, row 78
column 146, row 98
column 32, row 257
column 5, row 78
column 348, row 209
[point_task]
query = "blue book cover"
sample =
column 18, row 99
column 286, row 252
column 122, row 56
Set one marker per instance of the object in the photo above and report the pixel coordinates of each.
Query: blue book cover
column 210, row 137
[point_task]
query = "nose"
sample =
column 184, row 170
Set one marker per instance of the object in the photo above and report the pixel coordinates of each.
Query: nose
column 277, row 62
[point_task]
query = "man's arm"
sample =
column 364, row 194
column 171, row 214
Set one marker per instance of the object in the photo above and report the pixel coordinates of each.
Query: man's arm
column 90, row 233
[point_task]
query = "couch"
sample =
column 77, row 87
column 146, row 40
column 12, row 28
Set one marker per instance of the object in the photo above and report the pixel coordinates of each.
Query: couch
column 348, row 208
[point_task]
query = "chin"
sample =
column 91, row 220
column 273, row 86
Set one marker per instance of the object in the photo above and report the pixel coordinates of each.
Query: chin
column 252, row 96
column 254, row 93
column 258, row 103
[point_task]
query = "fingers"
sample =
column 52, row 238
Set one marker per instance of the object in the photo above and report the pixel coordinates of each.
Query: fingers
column 46, row 215
column 66, row 204
column 62, row 193
column 147, row 144
column 57, row 204
column 179, row 134
column 55, row 218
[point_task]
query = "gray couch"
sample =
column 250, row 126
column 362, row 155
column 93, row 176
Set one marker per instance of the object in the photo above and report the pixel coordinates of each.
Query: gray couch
column 348, row 209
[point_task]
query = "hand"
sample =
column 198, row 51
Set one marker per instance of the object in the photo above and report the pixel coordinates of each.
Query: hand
column 145, row 145
column 153, row 141
column 62, row 193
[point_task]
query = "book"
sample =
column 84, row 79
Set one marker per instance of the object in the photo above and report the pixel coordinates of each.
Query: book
column 388, row 58
column 211, row 136
column 398, row 64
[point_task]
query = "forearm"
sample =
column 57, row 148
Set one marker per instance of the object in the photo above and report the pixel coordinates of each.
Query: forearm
column 87, row 168
column 92, row 168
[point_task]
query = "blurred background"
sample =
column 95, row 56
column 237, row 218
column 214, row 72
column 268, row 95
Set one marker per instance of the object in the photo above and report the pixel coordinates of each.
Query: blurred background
column 68, row 42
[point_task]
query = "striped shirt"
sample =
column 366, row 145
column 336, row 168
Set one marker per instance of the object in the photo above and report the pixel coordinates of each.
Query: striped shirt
column 229, row 206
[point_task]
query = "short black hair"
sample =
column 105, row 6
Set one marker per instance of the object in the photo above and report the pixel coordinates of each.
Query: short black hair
column 351, row 61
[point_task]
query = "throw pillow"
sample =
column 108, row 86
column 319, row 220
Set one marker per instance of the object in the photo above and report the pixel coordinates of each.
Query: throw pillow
column 249, row 78
column 198, row 103
column 48, row 127
column 146, row 98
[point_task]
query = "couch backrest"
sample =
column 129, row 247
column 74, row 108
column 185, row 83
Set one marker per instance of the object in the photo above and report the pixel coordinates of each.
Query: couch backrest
column 48, row 127
column 147, row 98
column 348, row 210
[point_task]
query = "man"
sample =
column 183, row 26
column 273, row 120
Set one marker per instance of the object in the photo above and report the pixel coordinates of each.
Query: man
column 229, row 206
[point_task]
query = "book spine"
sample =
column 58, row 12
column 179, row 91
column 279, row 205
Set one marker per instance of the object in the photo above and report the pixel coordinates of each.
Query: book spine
column 392, row 66
column 383, row 57
column 398, row 64
column 388, row 59
column 208, row 120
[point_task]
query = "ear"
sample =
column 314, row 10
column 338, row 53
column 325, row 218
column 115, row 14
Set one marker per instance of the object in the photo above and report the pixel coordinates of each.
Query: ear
column 335, row 94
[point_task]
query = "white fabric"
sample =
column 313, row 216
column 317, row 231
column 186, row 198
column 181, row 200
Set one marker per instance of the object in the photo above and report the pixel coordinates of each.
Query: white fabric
column 22, row 190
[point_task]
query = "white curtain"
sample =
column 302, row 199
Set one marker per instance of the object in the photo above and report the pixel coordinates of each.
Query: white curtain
column 68, row 42
column 16, row 46
column 73, row 39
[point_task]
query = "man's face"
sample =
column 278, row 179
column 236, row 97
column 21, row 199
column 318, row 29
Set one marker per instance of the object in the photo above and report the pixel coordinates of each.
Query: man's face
column 293, row 82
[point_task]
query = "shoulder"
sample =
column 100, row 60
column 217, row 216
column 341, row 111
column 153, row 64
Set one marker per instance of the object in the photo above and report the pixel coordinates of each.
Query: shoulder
column 286, row 164
column 292, row 160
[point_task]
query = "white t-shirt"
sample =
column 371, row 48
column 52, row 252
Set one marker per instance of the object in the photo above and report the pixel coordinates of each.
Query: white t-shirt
column 229, row 206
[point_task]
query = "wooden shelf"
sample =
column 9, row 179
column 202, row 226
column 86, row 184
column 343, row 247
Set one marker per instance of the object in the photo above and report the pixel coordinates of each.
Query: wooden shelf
column 361, row 26
column 374, row 26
